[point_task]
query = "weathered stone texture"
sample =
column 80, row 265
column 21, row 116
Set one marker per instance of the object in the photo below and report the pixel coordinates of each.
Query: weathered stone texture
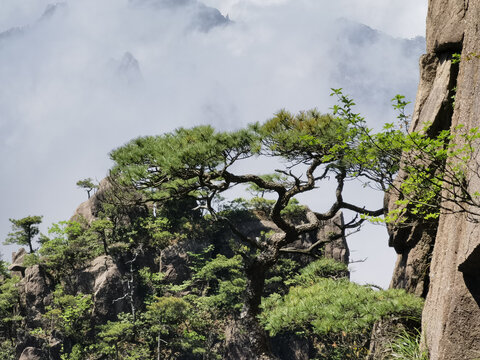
column 337, row 249
column 35, row 292
column 88, row 210
column 414, row 243
column 451, row 318
column 411, row 270
column 17, row 266
column 31, row 353
column 103, row 279
column 445, row 24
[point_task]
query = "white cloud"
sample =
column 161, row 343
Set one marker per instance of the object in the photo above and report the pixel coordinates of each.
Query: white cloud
column 64, row 103
column 399, row 18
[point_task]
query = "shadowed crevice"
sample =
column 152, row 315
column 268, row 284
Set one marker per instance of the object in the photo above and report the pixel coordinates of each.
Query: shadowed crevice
column 471, row 273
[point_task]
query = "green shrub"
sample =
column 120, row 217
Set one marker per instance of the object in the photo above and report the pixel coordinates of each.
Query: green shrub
column 323, row 268
column 7, row 350
column 407, row 347
column 336, row 315
column 220, row 282
column 335, row 306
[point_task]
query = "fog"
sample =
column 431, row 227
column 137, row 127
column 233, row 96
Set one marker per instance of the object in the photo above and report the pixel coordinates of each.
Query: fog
column 80, row 78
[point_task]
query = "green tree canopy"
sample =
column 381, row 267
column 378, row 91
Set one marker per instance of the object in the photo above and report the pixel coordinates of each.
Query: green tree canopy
column 313, row 148
column 87, row 184
column 24, row 231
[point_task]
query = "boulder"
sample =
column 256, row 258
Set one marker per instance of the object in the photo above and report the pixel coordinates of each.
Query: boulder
column 337, row 249
column 103, row 279
column 17, row 262
column 31, row 353
column 36, row 290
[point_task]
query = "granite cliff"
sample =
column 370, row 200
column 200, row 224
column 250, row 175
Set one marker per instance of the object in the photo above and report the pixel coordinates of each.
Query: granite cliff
column 440, row 260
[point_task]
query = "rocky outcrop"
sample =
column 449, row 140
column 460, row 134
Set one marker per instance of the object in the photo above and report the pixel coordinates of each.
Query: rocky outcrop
column 175, row 259
column 412, row 268
column 446, row 23
column 203, row 18
column 242, row 338
column 451, row 318
column 35, row 293
column 32, row 353
column 17, row 267
column 292, row 346
column 113, row 282
column 103, row 279
column 88, row 210
column 336, row 249
column 433, row 105
column 414, row 242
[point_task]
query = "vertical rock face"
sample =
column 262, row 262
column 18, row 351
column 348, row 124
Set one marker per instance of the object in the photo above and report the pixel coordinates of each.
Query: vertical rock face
column 414, row 243
column 451, row 318
column 103, row 279
column 446, row 23
column 35, row 292
column 337, row 249
column 452, row 313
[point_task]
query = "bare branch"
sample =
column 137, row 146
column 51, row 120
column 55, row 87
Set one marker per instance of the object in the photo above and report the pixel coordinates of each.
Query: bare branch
column 336, row 206
column 313, row 224
column 309, row 251
column 362, row 210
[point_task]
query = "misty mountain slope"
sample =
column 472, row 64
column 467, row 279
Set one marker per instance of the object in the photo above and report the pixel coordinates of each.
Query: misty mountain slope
column 7, row 34
column 50, row 11
column 372, row 65
column 367, row 60
column 126, row 69
column 203, row 18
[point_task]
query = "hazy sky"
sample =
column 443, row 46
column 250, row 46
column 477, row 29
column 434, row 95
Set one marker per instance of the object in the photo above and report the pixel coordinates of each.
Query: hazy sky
column 84, row 77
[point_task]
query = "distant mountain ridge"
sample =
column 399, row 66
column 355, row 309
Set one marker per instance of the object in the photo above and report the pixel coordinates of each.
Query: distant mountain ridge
column 204, row 18
column 361, row 34
column 361, row 53
column 49, row 12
